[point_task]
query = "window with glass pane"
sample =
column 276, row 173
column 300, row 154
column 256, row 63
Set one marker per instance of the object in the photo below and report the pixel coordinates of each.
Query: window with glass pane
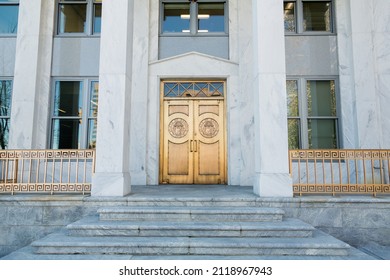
column 289, row 16
column 72, row 16
column 322, row 134
column 176, row 17
column 67, row 115
column 322, row 115
column 5, row 111
column 92, row 116
column 97, row 16
column 9, row 11
column 293, row 114
column 312, row 114
column 211, row 17
column 317, row 16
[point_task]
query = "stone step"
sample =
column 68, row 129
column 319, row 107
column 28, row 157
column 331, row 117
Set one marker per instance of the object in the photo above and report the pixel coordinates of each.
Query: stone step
column 320, row 245
column 92, row 226
column 27, row 253
column 218, row 214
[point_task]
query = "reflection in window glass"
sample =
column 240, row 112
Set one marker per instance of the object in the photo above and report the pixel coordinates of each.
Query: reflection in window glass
column 72, row 18
column 92, row 117
column 176, row 17
column 67, row 115
column 293, row 134
column 68, row 98
column 211, row 17
column 312, row 114
column 317, row 16
column 289, row 16
column 321, row 98
column 97, row 18
column 8, row 18
column 321, row 102
column 322, row 134
column 66, row 134
column 292, row 98
column 5, row 111
column 293, row 114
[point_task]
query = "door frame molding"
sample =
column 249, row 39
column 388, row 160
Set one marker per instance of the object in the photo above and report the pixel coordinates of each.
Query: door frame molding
column 161, row 128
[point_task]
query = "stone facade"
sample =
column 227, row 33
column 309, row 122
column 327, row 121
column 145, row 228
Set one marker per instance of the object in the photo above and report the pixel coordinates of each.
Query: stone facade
column 126, row 59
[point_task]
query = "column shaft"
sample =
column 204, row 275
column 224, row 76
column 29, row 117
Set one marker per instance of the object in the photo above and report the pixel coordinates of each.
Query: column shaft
column 271, row 136
column 31, row 86
column 112, row 177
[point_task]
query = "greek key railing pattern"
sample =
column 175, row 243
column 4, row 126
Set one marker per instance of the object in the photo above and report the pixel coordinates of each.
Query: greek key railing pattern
column 46, row 171
column 340, row 171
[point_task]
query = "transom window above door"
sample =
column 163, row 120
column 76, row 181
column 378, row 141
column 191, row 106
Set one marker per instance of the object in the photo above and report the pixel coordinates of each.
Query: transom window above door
column 194, row 89
column 193, row 17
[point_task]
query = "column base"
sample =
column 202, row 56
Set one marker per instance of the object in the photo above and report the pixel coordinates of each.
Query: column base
column 111, row 184
column 273, row 185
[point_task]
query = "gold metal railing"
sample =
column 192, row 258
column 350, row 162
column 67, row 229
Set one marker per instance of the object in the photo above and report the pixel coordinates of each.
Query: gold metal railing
column 340, row 171
column 46, row 171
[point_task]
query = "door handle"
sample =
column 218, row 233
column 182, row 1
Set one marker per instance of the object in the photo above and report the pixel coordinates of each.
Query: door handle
column 193, row 148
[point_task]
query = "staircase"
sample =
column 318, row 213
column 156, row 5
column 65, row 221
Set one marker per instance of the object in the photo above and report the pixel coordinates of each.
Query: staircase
column 206, row 231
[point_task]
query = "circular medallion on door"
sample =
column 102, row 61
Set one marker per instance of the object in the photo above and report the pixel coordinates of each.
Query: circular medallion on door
column 208, row 128
column 178, row 128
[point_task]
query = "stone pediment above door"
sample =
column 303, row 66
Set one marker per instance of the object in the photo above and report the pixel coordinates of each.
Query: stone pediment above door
column 194, row 64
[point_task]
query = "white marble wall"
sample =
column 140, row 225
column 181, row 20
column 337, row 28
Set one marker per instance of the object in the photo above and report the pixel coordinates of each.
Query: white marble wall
column 31, row 87
column 112, row 177
column 381, row 39
column 199, row 66
column 363, row 44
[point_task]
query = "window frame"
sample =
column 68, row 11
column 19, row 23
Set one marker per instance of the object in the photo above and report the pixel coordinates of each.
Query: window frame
column 299, row 18
column 11, row 3
column 303, row 116
column 193, row 22
column 8, row 117
column 89, row 20
column 85, row 109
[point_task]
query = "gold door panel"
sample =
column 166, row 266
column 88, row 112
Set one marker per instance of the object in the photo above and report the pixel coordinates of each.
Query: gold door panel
column 209, row 133
column 193, row 142
column 177, row 137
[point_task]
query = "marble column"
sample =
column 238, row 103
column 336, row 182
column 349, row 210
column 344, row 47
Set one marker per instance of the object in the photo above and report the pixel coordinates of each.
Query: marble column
column 31, row 85
column 139, row 98
column 364, row 68
column 112, row 177
column 272, row 177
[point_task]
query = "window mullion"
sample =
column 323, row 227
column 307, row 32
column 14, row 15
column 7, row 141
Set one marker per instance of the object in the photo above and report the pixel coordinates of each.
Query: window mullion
column 194, row 18
column 299, row 17
column 303, row 112
column 89, row 17
column 84, row 115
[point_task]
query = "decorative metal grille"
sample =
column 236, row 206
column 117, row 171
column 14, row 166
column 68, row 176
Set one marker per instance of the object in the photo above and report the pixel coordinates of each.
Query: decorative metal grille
column 194, row 89
column 46, row 171
column 340, row 171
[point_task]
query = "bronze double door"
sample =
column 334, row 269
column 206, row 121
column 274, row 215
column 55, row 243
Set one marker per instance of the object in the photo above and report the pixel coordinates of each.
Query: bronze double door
column 193, row 142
